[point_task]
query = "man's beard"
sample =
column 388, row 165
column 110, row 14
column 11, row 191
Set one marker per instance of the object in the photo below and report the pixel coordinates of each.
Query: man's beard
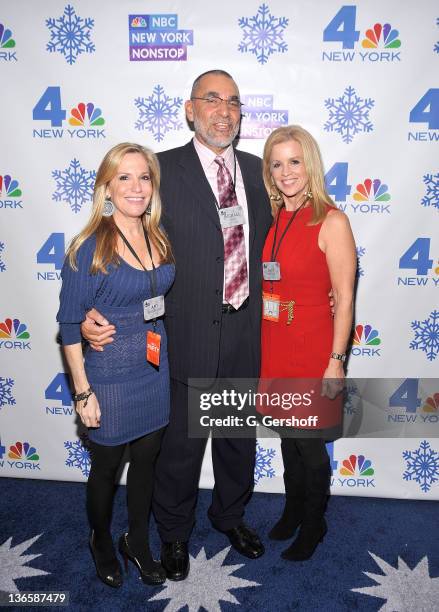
column 221, row 142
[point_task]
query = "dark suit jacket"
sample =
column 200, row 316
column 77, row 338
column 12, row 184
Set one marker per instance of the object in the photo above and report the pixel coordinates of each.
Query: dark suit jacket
column 190, row 218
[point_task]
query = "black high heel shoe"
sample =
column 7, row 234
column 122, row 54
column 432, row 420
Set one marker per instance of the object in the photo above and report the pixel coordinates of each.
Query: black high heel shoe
column 108, row 570
column 151, row 573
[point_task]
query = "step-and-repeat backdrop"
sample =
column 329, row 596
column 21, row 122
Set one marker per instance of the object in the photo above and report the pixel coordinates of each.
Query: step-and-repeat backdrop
column 79, row 77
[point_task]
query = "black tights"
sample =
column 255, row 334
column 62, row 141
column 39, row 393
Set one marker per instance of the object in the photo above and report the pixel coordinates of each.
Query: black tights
column 105, row 462
column 308, row 453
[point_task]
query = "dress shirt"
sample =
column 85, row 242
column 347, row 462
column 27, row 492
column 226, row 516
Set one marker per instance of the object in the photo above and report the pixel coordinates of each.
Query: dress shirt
column 210, row 167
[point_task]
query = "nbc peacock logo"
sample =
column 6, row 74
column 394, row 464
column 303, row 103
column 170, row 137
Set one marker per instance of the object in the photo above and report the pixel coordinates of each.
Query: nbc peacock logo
column 13, row 335
column 372, row 190
column 431, row 404
column 6, row 43
column 365, row 340
column 383, row 36
column 9, row 192
column 23, row 456
column 355, row 472
column 86, row 115
column 357, row 466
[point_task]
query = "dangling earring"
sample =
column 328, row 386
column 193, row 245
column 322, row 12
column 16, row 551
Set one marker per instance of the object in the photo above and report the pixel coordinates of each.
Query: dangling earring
column 108, row 208
column 274, row 192
column 148, row 209
column 308, row 194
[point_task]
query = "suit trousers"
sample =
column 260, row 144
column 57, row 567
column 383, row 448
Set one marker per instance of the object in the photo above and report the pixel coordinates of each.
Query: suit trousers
column 179, row 464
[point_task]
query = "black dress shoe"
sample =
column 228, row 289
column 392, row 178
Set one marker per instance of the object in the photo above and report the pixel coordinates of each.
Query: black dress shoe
column 245, row 541
column 175, row 560
column 107, row 566
column 151, row 572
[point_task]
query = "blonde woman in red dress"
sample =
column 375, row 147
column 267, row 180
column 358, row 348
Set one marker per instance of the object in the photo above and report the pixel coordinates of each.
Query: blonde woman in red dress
column 310, row 249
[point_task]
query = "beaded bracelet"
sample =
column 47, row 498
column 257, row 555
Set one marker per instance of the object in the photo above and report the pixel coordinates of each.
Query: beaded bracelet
column 79, row 397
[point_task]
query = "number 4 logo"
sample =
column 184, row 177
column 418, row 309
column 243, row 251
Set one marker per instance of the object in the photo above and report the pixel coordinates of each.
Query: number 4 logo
column 427, row 110
column 342, row 28
column 417, row 257
column 49, row 108
column 406, row 396
column 52, row 251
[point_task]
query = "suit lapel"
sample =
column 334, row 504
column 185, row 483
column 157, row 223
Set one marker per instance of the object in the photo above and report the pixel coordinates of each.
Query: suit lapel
column 195, row 179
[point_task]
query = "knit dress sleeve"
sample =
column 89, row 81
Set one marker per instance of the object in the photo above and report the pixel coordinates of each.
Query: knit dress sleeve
column 78, row 291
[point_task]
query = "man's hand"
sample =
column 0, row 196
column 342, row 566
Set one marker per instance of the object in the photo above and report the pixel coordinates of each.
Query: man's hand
column 97, row 330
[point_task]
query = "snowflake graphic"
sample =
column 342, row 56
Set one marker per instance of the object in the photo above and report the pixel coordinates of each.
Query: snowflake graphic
column 74, row 185
column 158, row 113
column 6, row 398
column 2, row 263
column 263, row 467
column 350, row 399
column 13, row 564
column 70, row 35
column 422, row 466
column 427, row 335
column 403, row 589
column 208, row 583
column 360, row 252
column 436, row 46
column 349, row 114
column 431, row 197
column 79, row 455
column 263, row 34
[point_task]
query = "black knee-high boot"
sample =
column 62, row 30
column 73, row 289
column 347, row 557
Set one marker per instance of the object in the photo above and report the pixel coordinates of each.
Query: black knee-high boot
column 294, row 480
column 313, row 527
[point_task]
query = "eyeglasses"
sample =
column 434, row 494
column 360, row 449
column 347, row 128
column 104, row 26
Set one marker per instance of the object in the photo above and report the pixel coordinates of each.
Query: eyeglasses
column 215, row 102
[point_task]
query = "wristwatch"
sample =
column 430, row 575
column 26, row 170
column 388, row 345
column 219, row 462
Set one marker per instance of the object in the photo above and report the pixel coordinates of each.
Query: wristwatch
column 340, row 357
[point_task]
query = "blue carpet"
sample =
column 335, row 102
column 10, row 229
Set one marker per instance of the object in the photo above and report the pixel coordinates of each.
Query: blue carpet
column 387, row 528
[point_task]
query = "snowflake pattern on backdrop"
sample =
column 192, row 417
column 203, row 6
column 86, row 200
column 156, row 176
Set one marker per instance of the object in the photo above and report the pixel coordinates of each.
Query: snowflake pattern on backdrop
column 422, row 466
column 349, row 114
column 360, row 252
column 79, row 455
column 6, row 397
column 2, row 263
column 431, row 197
column 403, row 589
column 208, row 583
column 351, row 397
column 263, row 467
column 263, row 34
column 158, row 113
column 427, row 335
column 70, row 35
column 74, row 185
column 12, row 564
column 436, row 46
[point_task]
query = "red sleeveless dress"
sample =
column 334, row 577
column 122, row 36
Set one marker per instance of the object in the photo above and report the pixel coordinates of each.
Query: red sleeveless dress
column 302, row 348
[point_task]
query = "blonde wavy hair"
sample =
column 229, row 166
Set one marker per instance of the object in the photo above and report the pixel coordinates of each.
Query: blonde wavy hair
column 105, row 228
column 313, row 165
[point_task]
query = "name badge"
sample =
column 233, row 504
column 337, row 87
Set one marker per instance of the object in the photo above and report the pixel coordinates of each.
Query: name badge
column 229, row 217
column 271, row 270
column 271, row 306
column 154, row 307
column 153, row 341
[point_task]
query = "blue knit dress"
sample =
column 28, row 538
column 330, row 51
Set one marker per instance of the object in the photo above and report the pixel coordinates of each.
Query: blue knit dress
column 133, row 394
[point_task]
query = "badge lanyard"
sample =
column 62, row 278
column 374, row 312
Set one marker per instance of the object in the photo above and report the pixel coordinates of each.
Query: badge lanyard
column 275, row 247
column 153, row 339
